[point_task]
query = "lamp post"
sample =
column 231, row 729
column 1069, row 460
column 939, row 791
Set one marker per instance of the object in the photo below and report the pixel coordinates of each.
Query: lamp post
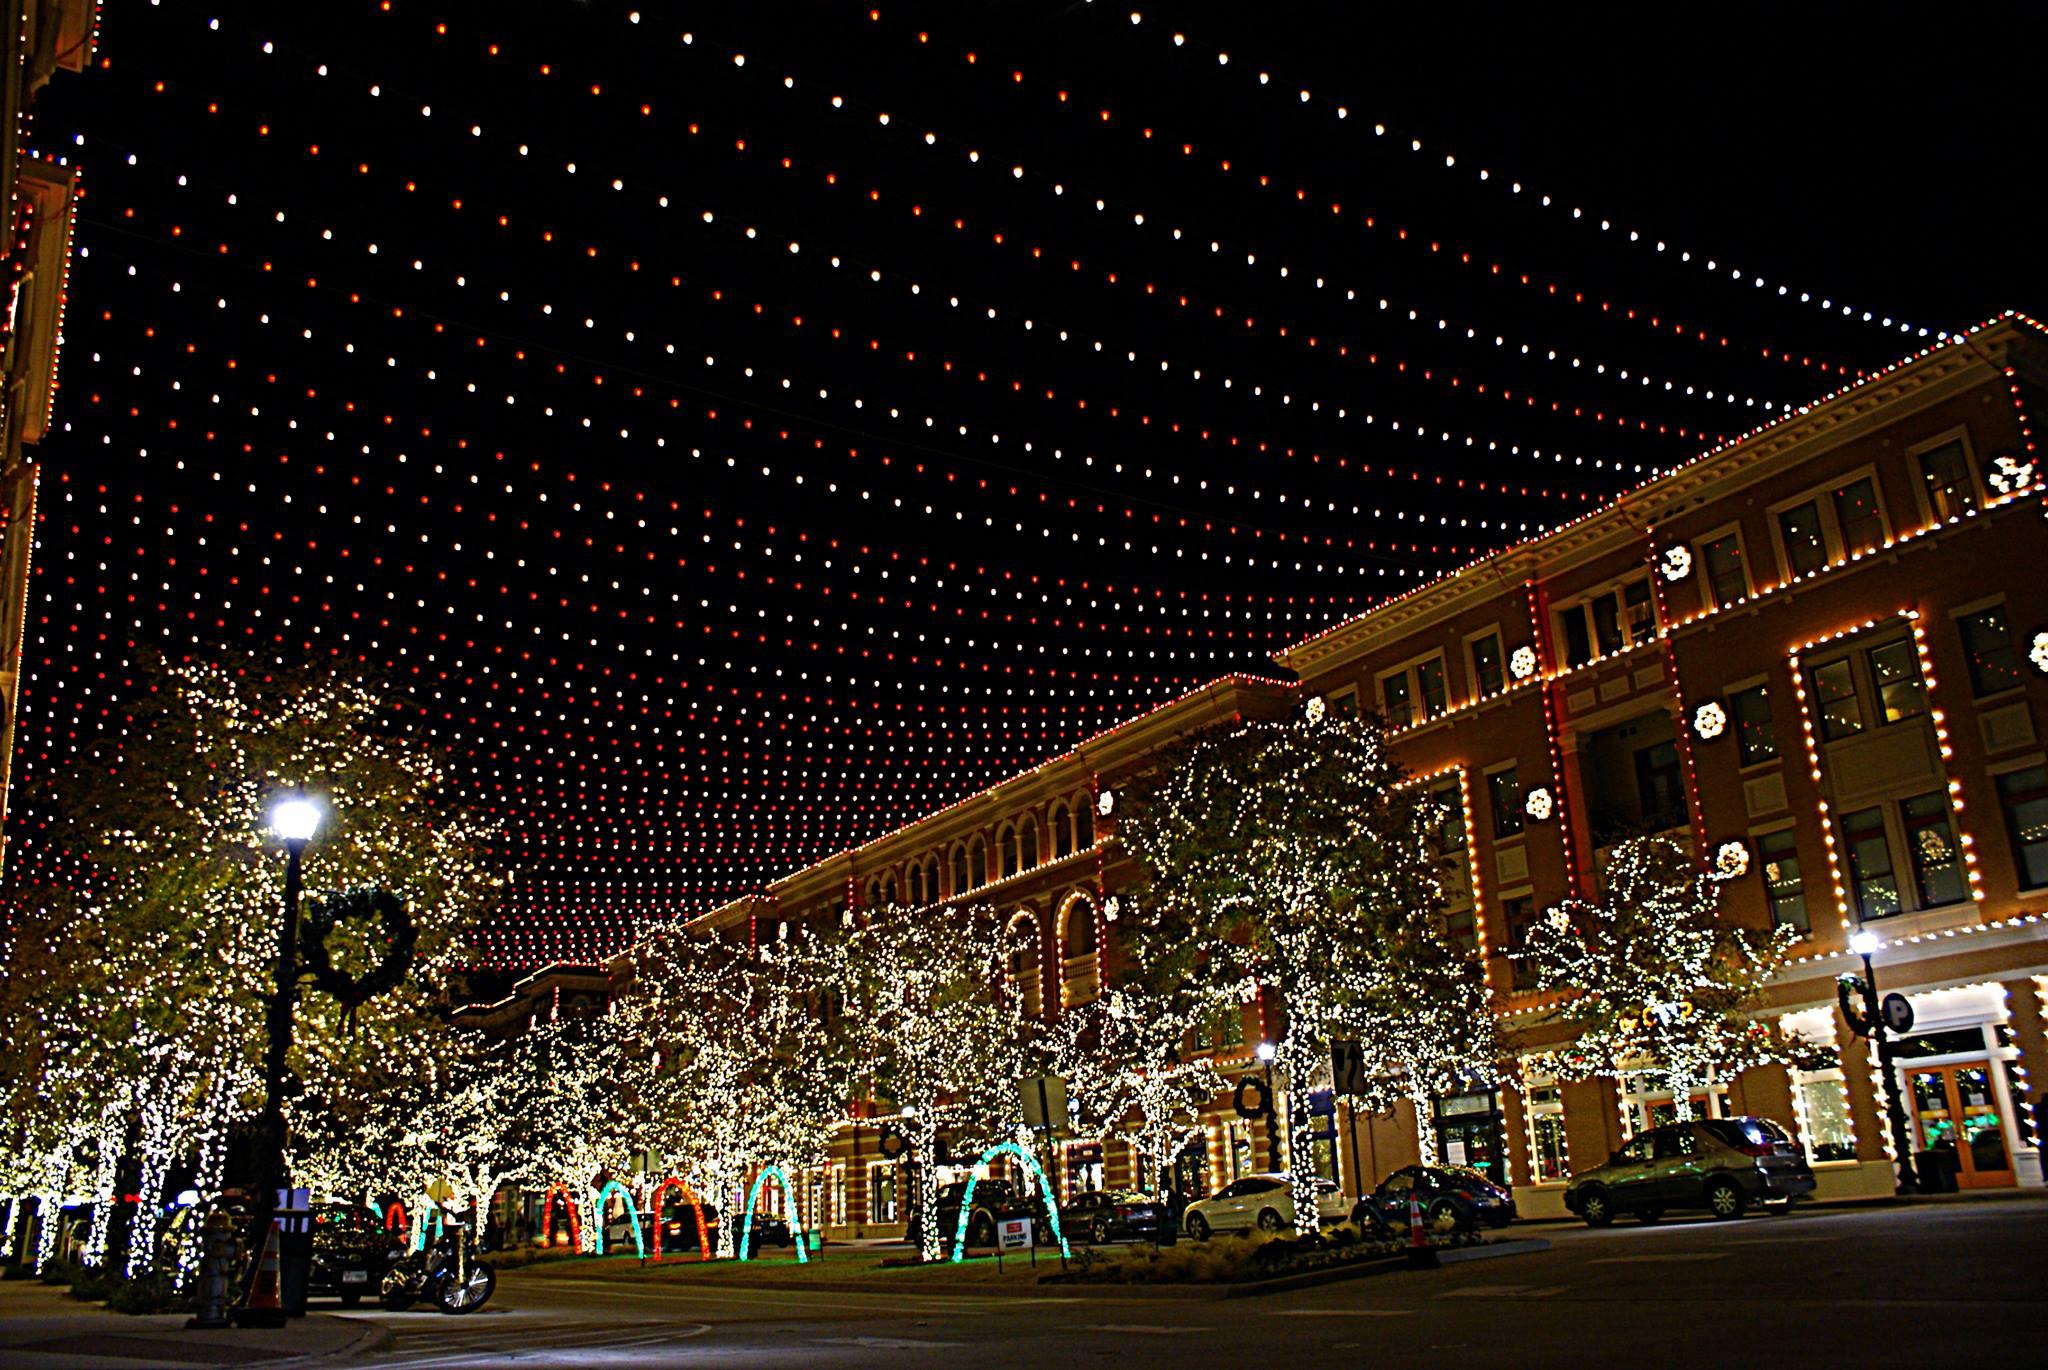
column 1265, row 1051
column 295, row 819
column 1869, row 1021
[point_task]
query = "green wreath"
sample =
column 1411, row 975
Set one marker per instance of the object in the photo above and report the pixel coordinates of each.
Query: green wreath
column 366, row 902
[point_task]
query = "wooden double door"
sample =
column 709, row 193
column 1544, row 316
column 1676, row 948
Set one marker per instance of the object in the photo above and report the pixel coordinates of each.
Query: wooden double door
column 1956, row 1114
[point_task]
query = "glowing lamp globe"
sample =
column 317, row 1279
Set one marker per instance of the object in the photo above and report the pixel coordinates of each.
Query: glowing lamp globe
column 1863, row 941
column 1265, row 1051
column 295, row 819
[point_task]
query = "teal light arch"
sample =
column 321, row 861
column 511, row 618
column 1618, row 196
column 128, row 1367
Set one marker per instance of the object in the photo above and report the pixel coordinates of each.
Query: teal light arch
column 1052, row 1209
column 632, row 1218
column 788, row 1192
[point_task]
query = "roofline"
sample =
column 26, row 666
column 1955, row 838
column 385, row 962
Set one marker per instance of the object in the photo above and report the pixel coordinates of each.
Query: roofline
column 1642, row 506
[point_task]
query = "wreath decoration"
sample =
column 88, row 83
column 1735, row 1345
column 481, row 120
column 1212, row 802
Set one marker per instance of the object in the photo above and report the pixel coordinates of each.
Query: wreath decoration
column 366, row 902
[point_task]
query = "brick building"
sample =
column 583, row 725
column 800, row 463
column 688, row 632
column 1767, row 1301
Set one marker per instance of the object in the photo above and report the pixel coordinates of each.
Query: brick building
column 1811, row 654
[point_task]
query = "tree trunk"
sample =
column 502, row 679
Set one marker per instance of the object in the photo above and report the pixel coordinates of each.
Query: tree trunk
column 1297, row 1061
column 1425, row 1128
column 933, row 1243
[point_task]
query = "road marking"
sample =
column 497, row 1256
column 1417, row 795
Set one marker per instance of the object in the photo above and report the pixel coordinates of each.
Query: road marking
column 1142, row 1328
column 1505, row 1291
column 1660, row 1257
column 1341, row 1312
column 881, row 1343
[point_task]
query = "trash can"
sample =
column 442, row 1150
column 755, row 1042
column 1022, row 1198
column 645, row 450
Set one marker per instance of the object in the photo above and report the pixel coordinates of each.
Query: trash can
column 1936, row 1171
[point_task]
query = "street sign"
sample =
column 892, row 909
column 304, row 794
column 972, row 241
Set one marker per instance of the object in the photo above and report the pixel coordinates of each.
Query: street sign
column 1347, row 1068
column 1014, row 1234
column 1045, row 1103
column 1322, row 1103
column 1898, row 1012
column 294, row 1208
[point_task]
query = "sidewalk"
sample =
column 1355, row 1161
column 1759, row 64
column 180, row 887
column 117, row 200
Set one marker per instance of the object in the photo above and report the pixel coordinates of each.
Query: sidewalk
column 1967, row 1196
column 42, row 1325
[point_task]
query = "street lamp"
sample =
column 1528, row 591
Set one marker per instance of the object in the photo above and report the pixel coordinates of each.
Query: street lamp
column 1265, row 1051
column 294, row 818
column 1869, row 1020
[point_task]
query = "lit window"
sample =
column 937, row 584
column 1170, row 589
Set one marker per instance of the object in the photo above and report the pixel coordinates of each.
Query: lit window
column 1806, row 548
column 1895, row 670
column 1857, row 517
column 1549, row 1163
column 1930, row 827
column 1824, row 1116
column 1784, row 890
column 1875, row 887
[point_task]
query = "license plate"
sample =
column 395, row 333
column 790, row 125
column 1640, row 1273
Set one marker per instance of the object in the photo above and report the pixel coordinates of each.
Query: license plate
column 355, row 1277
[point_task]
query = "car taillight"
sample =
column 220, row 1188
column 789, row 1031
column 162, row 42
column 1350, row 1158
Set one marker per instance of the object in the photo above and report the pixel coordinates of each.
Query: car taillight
column 1758, row 1148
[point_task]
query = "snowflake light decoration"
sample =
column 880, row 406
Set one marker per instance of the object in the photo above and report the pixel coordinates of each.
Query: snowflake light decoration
column 1709, row 721
column 2009, row 475
column 1105, row 803
column 1316, row 709
column 1539, row 804
column 1523, row 662
column 1677, row 562
column 2038, row 653
column 1731, row 861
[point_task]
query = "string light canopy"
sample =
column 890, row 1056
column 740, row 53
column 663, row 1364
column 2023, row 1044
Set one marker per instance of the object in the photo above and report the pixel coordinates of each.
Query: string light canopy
column 732, row 444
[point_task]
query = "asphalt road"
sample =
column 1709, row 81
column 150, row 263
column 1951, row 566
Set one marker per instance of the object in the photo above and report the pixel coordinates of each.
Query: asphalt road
column 1954, row 1283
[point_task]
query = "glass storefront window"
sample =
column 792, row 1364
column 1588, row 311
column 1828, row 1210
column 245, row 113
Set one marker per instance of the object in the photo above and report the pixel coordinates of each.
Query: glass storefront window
column 1824, row 1116
column 882, row 1194
column 1548, row 1161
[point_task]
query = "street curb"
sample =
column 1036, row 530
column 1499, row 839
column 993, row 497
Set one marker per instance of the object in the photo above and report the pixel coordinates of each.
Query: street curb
column 370, row 1339
column 1521, row 1246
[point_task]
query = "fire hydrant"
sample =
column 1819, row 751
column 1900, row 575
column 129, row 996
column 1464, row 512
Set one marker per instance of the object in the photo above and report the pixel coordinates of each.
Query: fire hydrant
column 216, row 1258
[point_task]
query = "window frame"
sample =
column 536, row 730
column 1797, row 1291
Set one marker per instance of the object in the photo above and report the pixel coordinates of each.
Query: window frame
column 1870, row 705
column 1822, row 497
column 1582, row 605
column 1471, row 641
column 1705, row 580
column 1495, row 810
column 1998, row 775
column 1777, row 832
column 1974, row 610
column 1731, row 693
column 1960, row 435
column 1410, row 671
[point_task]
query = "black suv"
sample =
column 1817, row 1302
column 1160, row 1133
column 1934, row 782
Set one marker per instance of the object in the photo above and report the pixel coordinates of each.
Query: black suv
column 350, row 1251
column 993, row 1200
column 1720, row 1164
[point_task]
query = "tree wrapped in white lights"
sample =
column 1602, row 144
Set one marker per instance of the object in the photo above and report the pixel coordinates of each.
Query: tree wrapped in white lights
column 923, row 1024
column 732, row 1066
column 1125, row 1057
column 474, row 1129
column 1291, row 856
column 583, row 1130
column 184, row 885
column 1654, row 982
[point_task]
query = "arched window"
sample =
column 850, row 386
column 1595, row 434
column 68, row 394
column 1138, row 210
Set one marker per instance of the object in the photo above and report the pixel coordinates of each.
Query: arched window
column 960, row 872
column 1080, row 958
column 872, row 897
column 977, row 864
column 931, row 879
column 1006, row 850
column 1026, row 980
column 889, row 890
column 1062, row 831
column 1027, row 842
column 1084, row 824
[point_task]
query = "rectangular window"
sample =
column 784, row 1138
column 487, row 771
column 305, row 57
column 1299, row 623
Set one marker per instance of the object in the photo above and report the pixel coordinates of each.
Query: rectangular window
column 1987, row 645
column 1721, row 560
column 1834, row 697
column 1778, row 853
column 1931, row 841
column 1488, row 669
column 2024, row 797
column 1578, row 643
column 1504, row 793
column 1344, row 705
column 1756, row 737
column 1945, row 473
column 1622, row 617
column 1857, row 517
column 1399, row 702
column 1639, row 610
column 1895, row 670
column 1830, row 1135
column 1806, row 548
column 1548, row 1161
column 1876, row 889
column 882, row 1194
column 1429, row 684
column 1607, row 624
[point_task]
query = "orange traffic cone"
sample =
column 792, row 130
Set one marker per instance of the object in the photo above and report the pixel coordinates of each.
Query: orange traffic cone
column 1421, row 1255
column 262, row 1309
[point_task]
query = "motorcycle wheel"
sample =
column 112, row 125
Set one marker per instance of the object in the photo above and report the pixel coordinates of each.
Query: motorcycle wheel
column 470, row 1295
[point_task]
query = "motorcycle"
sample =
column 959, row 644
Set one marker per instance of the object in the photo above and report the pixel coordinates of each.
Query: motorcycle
column 448, row 1272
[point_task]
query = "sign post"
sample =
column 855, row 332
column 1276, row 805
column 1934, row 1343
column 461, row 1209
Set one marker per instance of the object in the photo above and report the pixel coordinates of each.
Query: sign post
column 1347, row 1080
column 1044, row 1100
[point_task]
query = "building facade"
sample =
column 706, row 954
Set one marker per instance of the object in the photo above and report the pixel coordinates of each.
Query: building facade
column 1817, row 656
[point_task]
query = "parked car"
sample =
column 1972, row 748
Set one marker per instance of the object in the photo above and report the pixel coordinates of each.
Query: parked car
column 1720, row 1164
column 1261, row 1201
column 1113, row 1215
column 351, row 1250
column 993, row 1200
column 1454, row 1198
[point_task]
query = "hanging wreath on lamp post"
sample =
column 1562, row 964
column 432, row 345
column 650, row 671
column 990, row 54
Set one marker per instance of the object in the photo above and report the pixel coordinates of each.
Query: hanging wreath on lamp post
column 361, row 904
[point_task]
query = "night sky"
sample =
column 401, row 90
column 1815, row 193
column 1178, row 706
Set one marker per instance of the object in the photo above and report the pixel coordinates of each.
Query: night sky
column 741, row 430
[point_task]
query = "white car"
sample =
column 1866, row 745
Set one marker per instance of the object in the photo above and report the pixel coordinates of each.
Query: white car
column 1261, row 1201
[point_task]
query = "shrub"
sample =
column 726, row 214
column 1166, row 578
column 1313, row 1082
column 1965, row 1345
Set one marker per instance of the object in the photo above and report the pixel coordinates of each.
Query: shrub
column 150, row 1294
